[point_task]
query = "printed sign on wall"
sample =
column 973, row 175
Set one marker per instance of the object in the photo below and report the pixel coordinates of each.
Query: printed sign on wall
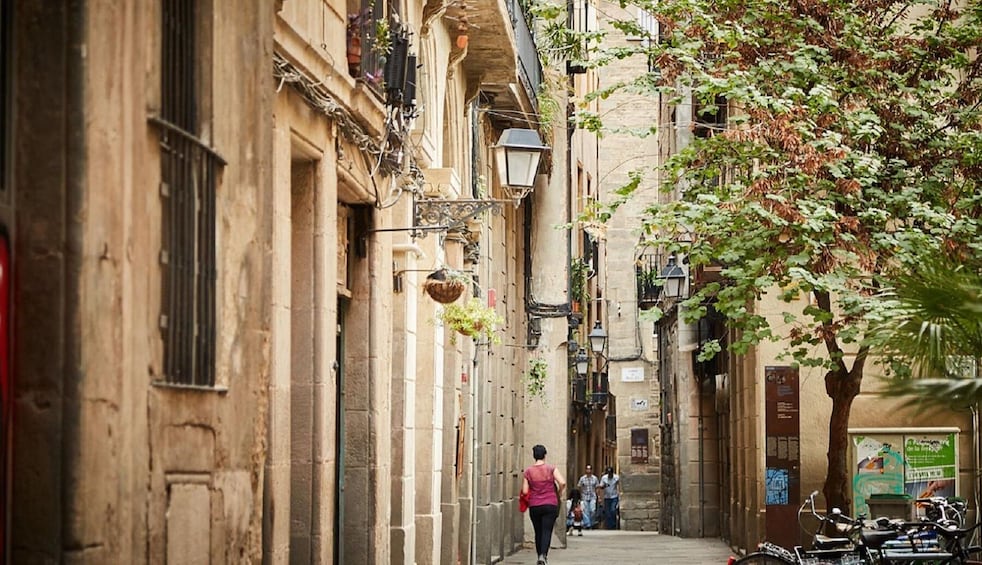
column 632, row 374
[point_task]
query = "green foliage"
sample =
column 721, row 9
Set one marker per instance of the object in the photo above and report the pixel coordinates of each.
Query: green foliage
column 928, row 329
column 852, row 146
column 535, row 379
column 577, row 280
column 472, row 319
column 854, row 141
column 383, row 37
column 551, row 104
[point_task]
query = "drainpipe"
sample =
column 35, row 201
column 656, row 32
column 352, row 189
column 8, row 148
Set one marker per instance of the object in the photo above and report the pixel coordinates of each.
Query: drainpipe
column 472, row 558
column 473, row 458
column 702, row 479
column 976, row 448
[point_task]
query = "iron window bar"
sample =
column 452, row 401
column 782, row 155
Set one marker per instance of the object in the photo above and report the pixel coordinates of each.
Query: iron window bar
column 189, row 177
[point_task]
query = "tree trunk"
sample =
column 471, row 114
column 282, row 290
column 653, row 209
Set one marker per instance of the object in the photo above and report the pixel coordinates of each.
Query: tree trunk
column 842, row 387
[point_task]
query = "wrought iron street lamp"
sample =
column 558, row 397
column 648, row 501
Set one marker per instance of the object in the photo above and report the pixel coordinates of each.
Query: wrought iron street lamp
column 673, row 278
column 582, row 362
column 598, row 338
column 517, row 157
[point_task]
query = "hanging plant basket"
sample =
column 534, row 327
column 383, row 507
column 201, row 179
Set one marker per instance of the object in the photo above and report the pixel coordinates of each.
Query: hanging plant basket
column 472, row 319
column 442, row 287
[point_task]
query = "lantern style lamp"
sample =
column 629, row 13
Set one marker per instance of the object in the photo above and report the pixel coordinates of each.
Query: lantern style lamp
column 517, row 157
column 582, row 362
column 598, row 338
column 674, row 279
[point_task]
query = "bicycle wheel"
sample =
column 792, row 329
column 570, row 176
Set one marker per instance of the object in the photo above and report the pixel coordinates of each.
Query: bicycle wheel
column 761, row 558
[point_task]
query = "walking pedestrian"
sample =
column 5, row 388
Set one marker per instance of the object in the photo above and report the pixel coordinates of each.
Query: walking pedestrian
column 575, row 517
column 588, row 485
column 544, row 485
column 611, row 483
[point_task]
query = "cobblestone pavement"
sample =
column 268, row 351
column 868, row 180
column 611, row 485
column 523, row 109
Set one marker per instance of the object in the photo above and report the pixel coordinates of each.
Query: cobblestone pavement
column 602, row 547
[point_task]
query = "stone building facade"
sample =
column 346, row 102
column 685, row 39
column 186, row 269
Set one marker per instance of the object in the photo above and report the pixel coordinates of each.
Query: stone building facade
column 220, row 218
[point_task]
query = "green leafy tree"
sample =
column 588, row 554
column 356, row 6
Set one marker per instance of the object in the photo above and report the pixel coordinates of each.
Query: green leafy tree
column 852, row 140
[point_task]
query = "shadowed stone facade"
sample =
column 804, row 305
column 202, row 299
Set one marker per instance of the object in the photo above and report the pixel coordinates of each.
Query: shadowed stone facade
column 344, row 422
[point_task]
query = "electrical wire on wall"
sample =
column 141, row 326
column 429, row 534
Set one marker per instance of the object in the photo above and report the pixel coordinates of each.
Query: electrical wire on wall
column 386, row 156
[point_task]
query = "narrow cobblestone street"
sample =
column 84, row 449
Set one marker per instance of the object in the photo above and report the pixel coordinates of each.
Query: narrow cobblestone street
column 631, row 548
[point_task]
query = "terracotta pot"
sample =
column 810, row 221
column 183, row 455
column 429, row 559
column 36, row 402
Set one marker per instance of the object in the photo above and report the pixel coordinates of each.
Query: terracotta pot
column 462, row 41
column 354, row 50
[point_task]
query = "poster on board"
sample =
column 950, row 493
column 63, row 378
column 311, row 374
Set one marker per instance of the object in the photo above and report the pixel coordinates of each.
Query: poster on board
column 931, row 465
column 919, row 462
column 879, row 468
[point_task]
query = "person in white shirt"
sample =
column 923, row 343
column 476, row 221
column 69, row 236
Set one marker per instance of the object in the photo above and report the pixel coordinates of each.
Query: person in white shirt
column 611, row 483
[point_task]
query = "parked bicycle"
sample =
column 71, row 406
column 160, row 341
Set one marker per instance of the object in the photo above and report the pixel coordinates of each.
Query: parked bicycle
column 938, row 539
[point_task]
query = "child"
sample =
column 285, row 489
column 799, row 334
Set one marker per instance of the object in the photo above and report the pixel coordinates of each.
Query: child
column 574, row 513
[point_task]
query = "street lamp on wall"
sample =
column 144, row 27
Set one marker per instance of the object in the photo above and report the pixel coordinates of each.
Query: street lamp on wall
column 517, row 156
column 582, row 363
column 598, row 338
column 673, row 278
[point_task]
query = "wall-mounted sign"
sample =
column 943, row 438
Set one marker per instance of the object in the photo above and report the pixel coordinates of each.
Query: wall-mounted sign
column 639, row 404
column 632, row 374
column 782, row 454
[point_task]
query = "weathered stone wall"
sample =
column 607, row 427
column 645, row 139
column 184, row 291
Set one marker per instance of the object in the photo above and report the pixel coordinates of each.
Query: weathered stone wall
column 135, row 471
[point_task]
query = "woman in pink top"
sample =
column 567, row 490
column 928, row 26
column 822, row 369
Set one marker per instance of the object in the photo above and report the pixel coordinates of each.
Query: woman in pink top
column 544, row 485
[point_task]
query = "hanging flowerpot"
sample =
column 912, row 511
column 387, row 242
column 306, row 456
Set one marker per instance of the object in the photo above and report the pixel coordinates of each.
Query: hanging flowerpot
column 473, row 319
column 442, row 287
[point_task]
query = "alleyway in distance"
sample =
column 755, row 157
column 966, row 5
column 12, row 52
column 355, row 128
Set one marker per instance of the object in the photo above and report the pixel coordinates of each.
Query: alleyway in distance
column 630, row 548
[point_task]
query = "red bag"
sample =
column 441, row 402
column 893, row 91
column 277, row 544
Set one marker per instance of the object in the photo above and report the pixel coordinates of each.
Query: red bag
column 523, row 502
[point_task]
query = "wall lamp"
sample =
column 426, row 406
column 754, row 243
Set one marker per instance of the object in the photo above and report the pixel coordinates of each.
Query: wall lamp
column 598, row 338
column 582, row 363
column 673, row 278
column 517, row 156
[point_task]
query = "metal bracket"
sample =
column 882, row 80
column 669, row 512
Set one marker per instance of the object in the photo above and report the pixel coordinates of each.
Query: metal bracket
column 450, row 213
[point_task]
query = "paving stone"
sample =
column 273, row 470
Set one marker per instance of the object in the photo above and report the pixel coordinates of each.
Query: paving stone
column 622, row 547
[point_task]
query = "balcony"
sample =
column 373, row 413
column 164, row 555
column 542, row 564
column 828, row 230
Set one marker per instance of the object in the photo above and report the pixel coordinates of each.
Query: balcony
column 501, row 56
column 530, row 67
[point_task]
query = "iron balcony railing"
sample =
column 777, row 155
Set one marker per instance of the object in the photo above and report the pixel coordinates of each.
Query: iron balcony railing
column 530, row 66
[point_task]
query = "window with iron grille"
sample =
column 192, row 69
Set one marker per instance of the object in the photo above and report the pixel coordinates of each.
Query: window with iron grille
column 189, row 176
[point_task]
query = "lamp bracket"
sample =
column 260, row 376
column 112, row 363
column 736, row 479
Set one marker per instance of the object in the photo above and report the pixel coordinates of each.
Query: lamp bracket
column 516, row 193
column 450, row 213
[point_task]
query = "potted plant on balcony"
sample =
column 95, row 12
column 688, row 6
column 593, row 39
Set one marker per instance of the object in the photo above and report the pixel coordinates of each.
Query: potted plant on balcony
column 648, row 288
column 444, row 285
column 472, row 319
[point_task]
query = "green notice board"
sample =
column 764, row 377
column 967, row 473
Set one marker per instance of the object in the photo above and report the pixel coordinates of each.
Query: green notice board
column 920, row 462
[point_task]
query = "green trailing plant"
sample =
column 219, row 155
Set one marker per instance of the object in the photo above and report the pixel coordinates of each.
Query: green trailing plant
column 577, row 281
column 551, row 105
column 535, row 379
column 473, row 319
